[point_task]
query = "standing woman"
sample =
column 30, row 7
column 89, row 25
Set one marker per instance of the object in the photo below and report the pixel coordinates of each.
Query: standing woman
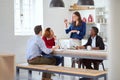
column 77, row 30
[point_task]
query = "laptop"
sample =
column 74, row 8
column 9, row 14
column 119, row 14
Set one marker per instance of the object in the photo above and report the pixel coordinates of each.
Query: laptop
column 69, row 43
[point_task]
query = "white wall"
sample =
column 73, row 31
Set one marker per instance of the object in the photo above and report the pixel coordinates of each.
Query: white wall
column 54, row 17
column 8, row 42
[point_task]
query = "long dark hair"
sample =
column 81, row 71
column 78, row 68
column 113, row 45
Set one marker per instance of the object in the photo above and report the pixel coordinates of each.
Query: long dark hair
column 79, row 19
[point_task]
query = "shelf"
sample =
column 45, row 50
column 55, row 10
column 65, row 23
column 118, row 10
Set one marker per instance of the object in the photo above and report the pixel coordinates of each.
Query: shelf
column 102, row 23
column 81, row 8
column 90, row 23
column 100, row 15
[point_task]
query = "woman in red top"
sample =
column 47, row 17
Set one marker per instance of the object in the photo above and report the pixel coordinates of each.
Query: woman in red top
column 49, row 39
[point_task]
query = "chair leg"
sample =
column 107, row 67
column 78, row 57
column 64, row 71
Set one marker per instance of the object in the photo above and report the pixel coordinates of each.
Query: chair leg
column 80, row 64
column 103, row 66
column 29, row 73
column 73, row 64
column 83, row 66
column 17, row 73
column 62, row 62
column 105, row 77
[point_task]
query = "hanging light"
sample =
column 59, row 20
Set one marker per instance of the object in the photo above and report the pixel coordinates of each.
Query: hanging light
column 85, row 2
column 57, row 3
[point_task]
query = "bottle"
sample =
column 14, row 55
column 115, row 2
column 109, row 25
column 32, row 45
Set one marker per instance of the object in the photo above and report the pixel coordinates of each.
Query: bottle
column 90, row 18
column 84, row 19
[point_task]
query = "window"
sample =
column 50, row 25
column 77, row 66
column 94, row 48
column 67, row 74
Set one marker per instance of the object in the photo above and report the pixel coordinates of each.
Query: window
column 28, row 13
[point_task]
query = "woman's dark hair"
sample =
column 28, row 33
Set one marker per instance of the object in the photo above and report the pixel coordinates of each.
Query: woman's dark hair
column 47, row 32
column 79, row 19
column 37, row 29
column 95, row 29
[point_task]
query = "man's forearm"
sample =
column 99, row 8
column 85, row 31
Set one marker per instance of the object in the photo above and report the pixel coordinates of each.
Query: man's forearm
column 96, row 48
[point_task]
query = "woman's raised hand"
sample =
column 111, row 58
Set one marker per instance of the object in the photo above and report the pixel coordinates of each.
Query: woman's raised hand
column 66, row 23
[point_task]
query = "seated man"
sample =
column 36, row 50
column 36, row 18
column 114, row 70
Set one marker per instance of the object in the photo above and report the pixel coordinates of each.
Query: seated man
column 35, row 50
column 96, row 42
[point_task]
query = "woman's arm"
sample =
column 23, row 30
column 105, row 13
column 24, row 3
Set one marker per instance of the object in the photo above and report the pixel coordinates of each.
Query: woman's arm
column 68, row 29
column 80, row 47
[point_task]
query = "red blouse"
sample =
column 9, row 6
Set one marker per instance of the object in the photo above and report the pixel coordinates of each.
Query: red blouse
column 49, row 43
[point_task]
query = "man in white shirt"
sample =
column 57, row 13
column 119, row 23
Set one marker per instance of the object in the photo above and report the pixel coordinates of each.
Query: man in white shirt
column 96, row 43
column 36, row 49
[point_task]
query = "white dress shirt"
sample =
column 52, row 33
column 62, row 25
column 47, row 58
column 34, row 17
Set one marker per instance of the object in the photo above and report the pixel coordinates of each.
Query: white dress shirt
column 93, row 45
column 35, row 47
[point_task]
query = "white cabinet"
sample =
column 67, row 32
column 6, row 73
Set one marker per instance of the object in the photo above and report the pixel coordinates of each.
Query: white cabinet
column 101, row 15
column 101, row 21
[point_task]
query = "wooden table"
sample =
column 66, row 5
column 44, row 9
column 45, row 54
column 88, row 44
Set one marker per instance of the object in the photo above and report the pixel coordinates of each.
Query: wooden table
column 84, row 54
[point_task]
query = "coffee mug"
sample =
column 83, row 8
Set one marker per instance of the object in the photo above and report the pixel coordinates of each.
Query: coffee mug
column 89, row 48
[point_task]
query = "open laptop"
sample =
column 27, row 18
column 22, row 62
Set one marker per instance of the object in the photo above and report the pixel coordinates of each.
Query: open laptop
column 68, row 43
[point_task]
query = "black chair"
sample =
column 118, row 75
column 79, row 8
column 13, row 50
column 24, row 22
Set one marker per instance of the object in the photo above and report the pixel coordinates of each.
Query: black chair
column 81, row 65
column 78, row 61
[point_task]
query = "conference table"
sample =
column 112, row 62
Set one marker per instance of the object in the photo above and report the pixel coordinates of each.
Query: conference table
column 82, row 53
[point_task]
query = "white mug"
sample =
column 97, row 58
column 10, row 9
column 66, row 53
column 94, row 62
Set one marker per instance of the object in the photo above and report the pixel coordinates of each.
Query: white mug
column 89, row 48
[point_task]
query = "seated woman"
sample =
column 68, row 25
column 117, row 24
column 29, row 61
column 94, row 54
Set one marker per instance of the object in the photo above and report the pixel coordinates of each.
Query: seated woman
column 49, row 39
column 96, row 42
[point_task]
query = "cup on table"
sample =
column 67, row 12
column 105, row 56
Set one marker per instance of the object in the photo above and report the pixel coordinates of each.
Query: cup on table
column 53, row 46
column 56, row 47
column 89, row 48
